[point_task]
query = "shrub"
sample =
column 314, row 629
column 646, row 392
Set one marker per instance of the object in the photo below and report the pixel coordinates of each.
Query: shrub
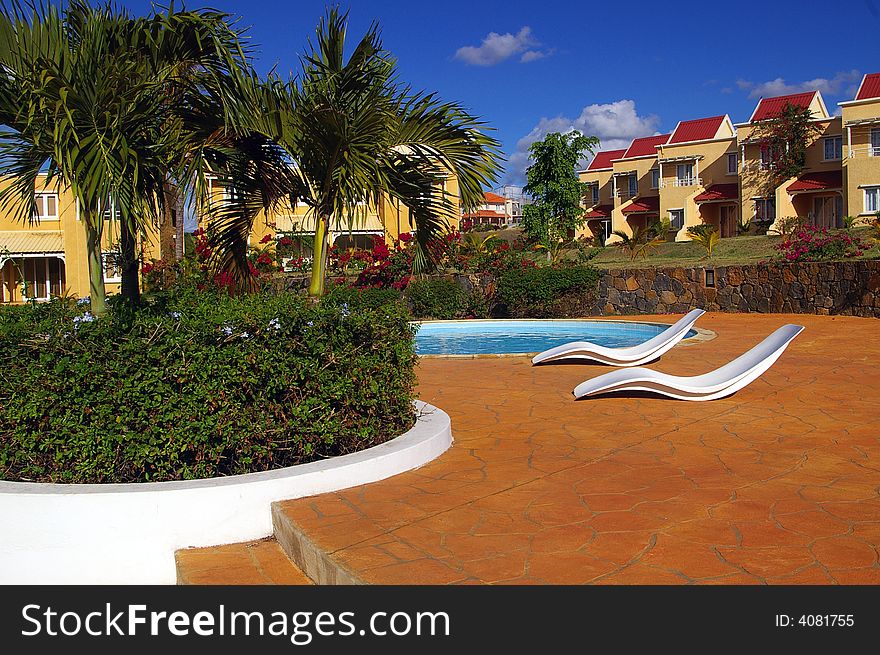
column 810, row 243
column 437, row 298
column 542, row 292
column 199, row 385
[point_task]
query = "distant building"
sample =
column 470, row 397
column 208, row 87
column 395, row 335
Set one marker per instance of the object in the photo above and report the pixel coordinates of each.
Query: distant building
column 514, row 201
column 493, row 212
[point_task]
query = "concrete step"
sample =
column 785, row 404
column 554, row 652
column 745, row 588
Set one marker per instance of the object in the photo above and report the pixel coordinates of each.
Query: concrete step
column 250, row 563
column 315, row 562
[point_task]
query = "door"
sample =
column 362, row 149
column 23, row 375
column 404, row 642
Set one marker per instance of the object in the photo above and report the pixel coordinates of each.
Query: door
column 727, row 220
column 828, row 211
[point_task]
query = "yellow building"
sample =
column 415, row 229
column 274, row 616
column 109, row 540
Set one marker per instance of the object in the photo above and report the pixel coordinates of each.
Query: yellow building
column 817, row 195
column 388, row 221
column 861, row 163
column 698, row 170
column 599, row 199
column 48, row 256
column 710, row 171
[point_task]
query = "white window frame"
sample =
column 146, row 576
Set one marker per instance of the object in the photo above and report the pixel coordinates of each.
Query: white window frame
column 633, row 187
column 733, row 157
column 874, row 145
column 41, row 199
column 105, row 256
column 655, row 178
column 837, row 148
column 674, row 215
column 688, row 178
column 871, row 197
column 765, row 202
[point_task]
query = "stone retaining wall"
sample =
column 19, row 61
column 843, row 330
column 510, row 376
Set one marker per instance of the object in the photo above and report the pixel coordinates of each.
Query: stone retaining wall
column 847, row 288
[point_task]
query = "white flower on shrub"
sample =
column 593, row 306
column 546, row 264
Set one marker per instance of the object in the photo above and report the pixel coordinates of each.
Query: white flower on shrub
column 227, row 330
column 84, row 301
column 275, row 324
column 345, row 311
column 245, row 335
column 175, row 315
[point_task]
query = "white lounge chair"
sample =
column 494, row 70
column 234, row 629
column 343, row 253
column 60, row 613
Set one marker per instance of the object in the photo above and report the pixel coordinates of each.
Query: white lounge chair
column 716, row 384
column 629, row 356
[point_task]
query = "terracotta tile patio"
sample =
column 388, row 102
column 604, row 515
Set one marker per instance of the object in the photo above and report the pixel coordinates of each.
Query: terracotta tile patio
column 777, row 484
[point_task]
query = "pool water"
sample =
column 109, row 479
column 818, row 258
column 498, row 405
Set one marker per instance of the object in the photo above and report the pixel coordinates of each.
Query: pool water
column 511, row 336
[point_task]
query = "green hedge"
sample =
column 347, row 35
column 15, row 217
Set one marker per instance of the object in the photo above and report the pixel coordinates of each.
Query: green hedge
column 437, row 298
column 547, row 292
column 200, row 385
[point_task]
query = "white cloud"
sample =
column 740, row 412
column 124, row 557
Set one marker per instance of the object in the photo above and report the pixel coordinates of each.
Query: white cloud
column 616, row 124
column 496, row 48
column 843, row 83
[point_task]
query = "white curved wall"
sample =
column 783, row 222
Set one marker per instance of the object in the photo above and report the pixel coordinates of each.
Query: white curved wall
column 127, row 533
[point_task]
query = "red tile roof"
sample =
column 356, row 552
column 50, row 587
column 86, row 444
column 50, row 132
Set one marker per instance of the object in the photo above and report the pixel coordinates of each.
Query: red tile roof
column 603, row 159
column 643, row 205
column 644, row 146
column 493, row 198
column 719, row 192
column 817, row 181
column 870, row 87
column 602, row 211
column 484, row 213
column 696, row 130
column 772, row 107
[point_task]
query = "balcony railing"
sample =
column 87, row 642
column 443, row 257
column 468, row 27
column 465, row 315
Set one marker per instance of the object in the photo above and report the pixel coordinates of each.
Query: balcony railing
column 624, row 193
column 682, row 181
column 869, row 151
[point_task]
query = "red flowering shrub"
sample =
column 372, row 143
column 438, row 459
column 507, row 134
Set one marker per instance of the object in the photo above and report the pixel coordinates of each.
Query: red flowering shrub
column 811, row 243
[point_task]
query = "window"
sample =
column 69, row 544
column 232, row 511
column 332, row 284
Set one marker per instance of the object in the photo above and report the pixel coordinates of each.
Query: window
column 44, row 277
column 732, row 163
column 875, row 142
column 676, row 218
column 112, row 267
column 765, row 209
column 768, row 157
column 633, row 185
column 833, row 147
column 655, row 178
column 109, row 210
column 46, row 206
column 872, row 199
column 685, row 174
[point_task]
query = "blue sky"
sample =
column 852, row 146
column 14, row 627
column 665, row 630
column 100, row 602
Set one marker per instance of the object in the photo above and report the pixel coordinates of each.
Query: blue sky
column 532, row 67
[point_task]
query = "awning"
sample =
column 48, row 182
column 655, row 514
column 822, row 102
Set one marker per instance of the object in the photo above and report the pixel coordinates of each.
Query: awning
column 824, row 181
column 602, row 211
column 719, row 193
column 651, row 204
column 23, row 242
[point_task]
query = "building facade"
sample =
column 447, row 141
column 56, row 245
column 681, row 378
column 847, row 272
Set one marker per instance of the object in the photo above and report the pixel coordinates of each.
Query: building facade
column 46, row 257
column 493, row 211
column 712, row 171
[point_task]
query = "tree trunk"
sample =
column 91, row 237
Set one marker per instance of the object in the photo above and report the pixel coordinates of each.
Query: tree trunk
column 131, row 289
column 97, row 293
column 319, row 259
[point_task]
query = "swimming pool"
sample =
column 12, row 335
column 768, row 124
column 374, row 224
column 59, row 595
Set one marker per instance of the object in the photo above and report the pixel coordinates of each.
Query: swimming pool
column 505, row 337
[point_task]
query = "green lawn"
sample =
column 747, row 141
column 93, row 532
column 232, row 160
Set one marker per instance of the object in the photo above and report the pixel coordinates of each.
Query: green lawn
column 732, row 251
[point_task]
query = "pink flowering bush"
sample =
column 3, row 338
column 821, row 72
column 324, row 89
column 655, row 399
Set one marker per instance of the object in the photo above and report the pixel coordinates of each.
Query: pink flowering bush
column 811, row 243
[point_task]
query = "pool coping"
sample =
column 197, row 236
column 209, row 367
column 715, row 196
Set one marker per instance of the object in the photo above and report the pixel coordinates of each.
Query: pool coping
column 701, row 336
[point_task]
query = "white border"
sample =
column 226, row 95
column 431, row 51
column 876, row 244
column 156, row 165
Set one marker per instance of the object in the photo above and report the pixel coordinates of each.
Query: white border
column 127, row 533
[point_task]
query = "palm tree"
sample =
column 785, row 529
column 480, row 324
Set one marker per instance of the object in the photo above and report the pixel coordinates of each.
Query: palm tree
column 354, row 136
column 640, row 243
column 97, row 102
